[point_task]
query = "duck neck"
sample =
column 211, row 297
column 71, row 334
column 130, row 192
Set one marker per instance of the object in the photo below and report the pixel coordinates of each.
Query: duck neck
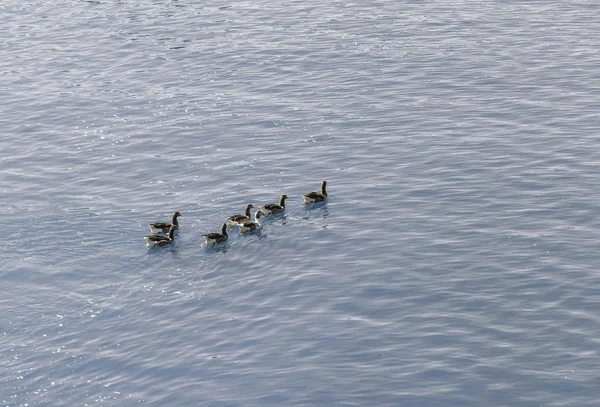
column 323, row 185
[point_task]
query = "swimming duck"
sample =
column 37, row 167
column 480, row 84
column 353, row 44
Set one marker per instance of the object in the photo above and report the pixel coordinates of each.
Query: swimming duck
column 239, row 218
column 313, row 197
column 160, row 240
column 269, row 209
column 163, row 227
column 250, row 226
column 216, row 238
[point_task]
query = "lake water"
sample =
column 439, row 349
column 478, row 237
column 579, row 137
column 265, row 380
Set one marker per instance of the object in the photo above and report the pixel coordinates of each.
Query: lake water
column 454, row 264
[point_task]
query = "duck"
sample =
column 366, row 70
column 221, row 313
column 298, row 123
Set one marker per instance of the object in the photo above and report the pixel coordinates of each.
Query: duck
column 216, row 238
column 250, row 226
column 271, row 209
column 160, row 240
column 240, row 217
column 313, row 197
column 163, row 227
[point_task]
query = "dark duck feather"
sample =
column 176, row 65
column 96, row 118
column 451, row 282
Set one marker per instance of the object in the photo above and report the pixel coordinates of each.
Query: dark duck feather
column 250, row 226
column 161, row 240
column 216, row 238
column 269, row 209
column 313, row 197
column 240, row 217
column 163, row 227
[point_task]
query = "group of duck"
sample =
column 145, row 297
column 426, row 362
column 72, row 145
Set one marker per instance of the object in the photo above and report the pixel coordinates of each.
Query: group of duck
column 163, row 233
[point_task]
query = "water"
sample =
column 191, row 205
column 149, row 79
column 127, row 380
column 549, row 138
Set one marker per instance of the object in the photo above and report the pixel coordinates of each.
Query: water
column 455, row 263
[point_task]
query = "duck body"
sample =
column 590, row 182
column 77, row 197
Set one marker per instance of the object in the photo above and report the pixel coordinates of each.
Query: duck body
column 161, row 240
column 272, row 209
column 239, row 218
column 314, row 197
column 163, row 227
column 249, row 226
column 216, row 238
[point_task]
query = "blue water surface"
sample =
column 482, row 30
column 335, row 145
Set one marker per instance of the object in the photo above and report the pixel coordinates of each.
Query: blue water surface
column 455, row 262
